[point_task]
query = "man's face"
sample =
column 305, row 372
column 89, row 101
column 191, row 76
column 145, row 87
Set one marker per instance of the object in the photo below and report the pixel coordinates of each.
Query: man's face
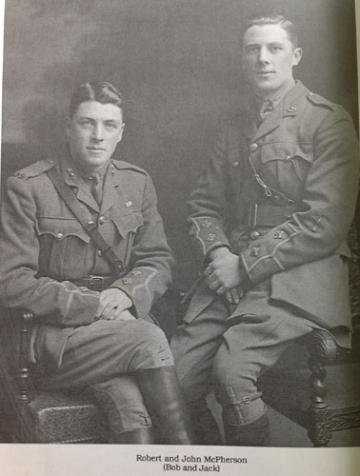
column 93, row 133
column 268, row 58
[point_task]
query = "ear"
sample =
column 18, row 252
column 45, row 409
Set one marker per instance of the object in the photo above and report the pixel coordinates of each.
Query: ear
column 121, row 132
column 297, row 55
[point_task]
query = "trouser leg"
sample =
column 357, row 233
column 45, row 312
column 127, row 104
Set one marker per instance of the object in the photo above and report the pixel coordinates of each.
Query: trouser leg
column 107, row 349
column 128, row 418
column 98, row 354
column 254, row 342
column 194, row 346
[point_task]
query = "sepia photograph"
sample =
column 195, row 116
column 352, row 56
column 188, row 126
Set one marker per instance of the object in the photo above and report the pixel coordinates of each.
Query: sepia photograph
column 180, row 237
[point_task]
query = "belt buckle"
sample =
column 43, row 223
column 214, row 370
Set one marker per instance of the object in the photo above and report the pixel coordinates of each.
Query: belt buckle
column 96, row 283
column 253, row 212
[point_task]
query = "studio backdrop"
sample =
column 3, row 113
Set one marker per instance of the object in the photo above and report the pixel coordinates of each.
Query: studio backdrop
column 178, row 65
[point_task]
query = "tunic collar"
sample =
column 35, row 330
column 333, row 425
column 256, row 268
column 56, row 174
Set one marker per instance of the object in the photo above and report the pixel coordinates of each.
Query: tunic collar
column 287, row 107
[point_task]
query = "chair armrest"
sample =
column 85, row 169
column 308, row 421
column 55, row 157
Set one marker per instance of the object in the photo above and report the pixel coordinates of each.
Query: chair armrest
column 23, row 374
column 323, row 348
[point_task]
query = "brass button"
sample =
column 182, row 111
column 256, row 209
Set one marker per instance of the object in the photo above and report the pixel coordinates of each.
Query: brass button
column 101, row 219
column 254, row 235
column 253, row 147
column 59, row 236
column 91, row 222
column 99, row 252
column 236, row 163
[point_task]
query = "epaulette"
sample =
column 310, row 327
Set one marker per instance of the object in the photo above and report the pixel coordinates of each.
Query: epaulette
column 122, row 165
column 35, row 169
column 321, row 101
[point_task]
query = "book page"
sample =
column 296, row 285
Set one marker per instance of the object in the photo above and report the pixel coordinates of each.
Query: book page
column 177, row 62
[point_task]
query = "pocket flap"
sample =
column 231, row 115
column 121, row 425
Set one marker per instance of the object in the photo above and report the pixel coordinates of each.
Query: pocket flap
column 61, row 228
column 284, row 151
column 126, row 224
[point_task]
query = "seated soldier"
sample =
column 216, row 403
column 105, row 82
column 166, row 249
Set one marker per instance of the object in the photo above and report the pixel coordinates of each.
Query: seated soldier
column 269, row 218
column 83, row 247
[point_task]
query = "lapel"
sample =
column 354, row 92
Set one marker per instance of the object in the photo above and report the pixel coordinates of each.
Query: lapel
column 250, row 124
column 73, row 179
column 111, row 186
column 116, row 190
column 288, row 107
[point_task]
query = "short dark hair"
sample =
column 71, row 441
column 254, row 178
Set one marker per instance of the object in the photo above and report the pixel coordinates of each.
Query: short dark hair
column 274, row 19
column 100, row 91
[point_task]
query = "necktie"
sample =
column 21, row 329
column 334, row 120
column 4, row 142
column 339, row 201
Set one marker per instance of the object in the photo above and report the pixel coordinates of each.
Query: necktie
column 97, row 188
column 266, row 109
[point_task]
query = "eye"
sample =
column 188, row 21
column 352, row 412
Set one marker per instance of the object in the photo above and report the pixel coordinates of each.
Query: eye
column 111, row 125
column 251, row 49
column 85, row 122
column 275, row 48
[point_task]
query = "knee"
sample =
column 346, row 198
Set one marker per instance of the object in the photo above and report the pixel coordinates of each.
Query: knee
column 152, row 335
column 233, row 381
column 153, row 346
column 240, row 370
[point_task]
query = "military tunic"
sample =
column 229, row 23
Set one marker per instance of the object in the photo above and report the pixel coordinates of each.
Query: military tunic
column 45, row 251
column 282, row 196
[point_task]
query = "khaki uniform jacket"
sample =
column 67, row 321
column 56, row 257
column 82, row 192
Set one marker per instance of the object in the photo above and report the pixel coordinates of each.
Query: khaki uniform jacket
column 304, row 155
column 43, row 247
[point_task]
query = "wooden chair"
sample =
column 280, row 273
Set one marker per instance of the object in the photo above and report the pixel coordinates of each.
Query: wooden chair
column 34, row 416
column 322, row 391
column 42, row 417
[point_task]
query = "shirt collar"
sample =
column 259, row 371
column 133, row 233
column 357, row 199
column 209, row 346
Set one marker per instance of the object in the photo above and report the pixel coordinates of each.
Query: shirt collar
column 274, row 99
column 74, row 171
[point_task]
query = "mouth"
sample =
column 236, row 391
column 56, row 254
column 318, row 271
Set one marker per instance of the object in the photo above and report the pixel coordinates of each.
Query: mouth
column 96, row 149
column 265, row 73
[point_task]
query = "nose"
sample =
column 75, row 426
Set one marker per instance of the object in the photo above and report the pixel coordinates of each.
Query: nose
column 98, row 133
column 263, row 55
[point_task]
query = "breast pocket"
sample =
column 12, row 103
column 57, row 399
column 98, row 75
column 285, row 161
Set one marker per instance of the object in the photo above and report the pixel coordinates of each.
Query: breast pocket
column 122, row 231
column 287, row 165
column 127, row 224
column 64, row 247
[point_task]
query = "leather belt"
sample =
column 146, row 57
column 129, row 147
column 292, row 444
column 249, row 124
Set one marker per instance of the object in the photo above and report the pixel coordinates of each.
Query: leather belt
column 266, row 214
column 95, row 283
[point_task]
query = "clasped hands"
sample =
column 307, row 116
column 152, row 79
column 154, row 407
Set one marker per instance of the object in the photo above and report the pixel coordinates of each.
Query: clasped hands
column 114, row 305
column 224, row 274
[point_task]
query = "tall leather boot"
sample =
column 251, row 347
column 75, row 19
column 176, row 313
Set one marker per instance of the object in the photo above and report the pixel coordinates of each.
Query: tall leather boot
column 256, row 433
column 139, row 436
column 162, row 396
column 205, row 428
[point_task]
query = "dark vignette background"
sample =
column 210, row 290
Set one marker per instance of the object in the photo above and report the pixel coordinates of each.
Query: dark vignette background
column 177, row 63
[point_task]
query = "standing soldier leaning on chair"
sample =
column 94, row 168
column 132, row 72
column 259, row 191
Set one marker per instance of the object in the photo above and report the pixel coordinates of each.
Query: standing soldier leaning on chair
column 90, row 302
column 269, row 219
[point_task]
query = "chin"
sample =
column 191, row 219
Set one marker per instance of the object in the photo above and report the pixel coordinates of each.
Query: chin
column 91, row 163
column 266, row 87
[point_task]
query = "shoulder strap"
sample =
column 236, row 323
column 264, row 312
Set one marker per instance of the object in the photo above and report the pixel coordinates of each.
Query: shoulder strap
column 87, row 223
